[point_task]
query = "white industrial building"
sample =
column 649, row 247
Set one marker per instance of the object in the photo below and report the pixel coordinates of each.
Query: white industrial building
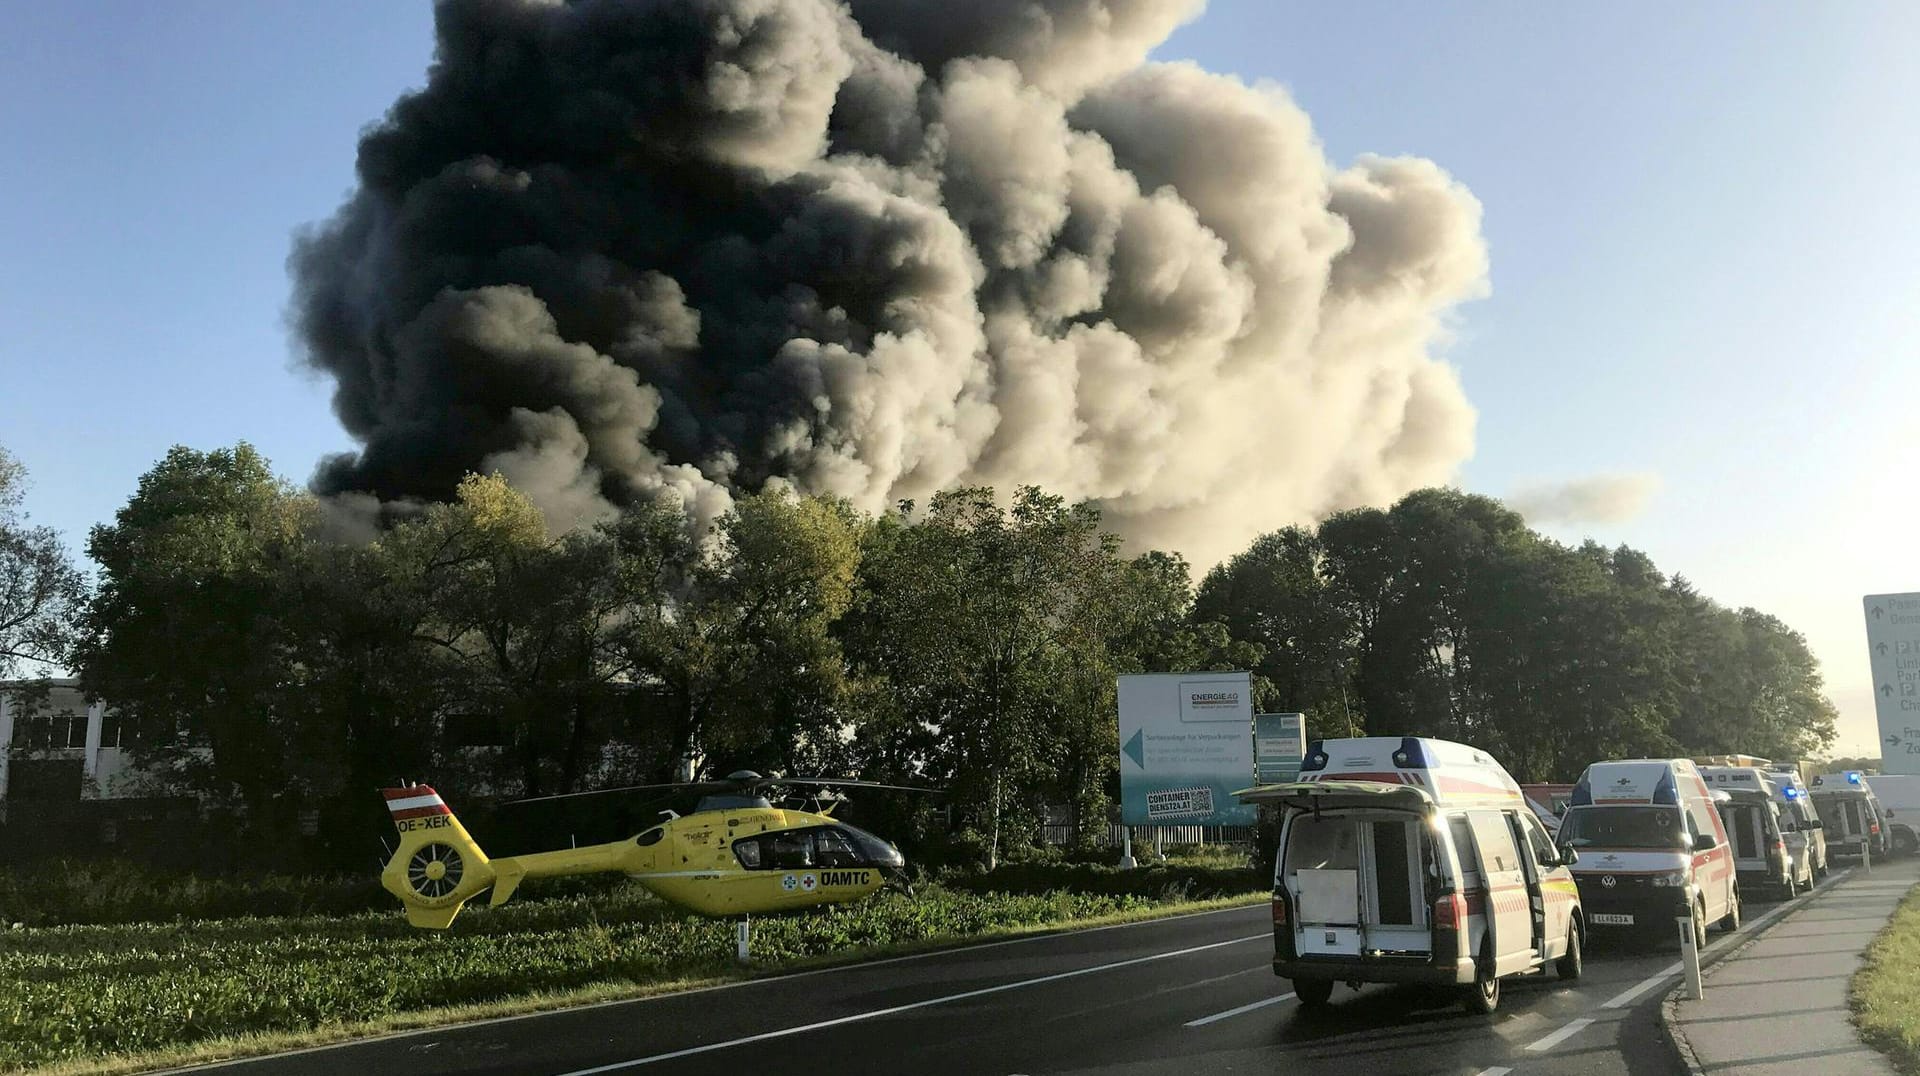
column 56, row 747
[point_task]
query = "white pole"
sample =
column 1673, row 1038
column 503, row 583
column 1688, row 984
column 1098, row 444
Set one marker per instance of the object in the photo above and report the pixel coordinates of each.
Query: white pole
column 1690, row 956
column 1866, row 851
column 1126, row 849
column 743, row 933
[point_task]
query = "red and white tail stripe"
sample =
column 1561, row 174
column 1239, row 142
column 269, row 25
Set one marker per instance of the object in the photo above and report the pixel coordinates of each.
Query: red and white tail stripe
column 415, row 802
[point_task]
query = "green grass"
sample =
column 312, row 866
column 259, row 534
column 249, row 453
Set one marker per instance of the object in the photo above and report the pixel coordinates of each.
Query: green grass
column 87, row 994
column 1885, row 994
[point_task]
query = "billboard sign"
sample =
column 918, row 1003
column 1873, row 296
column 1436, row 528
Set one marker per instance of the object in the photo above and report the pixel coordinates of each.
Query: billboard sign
column 1893, row 653
column 1186, row 746
column 1279, row 743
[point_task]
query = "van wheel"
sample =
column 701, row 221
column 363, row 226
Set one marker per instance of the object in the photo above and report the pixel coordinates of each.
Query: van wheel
column 1483, row 996
column 1313, row 993
column 1904, row 842
column 1571, row 963
column 1727, row 925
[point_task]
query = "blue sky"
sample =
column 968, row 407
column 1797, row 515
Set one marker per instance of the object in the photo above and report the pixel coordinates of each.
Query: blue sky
column 1700, row 217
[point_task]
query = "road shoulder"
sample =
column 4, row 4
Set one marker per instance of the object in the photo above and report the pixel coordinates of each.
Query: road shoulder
column 1778, row 1002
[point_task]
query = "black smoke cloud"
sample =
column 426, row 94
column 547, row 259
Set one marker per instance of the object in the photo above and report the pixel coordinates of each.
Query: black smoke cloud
column 618, row 249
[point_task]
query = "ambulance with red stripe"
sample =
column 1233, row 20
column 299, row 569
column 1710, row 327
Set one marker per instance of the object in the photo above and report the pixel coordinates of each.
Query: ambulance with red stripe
column 1414, row 860
column 1652, row 848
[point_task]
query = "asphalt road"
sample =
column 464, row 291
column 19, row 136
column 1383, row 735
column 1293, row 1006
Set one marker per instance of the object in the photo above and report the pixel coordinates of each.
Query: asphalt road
column 1192, row 995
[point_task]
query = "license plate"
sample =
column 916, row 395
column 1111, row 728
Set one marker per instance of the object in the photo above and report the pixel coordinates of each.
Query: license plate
column 1611, row 920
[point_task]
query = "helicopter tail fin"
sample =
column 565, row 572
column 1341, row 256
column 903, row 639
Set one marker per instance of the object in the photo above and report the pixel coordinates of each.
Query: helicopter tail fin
column 438, row 866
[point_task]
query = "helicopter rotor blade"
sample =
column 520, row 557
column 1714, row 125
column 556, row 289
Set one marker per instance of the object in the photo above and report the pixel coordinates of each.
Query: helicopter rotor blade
column 836, row 782
column 697, row 786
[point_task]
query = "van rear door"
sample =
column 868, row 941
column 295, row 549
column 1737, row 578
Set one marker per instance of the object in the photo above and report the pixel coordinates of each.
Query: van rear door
column 1509, row 912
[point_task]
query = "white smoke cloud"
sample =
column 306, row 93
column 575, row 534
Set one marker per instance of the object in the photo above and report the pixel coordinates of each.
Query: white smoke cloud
column 1605, row 498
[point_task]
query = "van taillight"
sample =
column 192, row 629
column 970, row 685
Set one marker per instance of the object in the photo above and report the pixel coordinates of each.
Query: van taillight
column 1448, row 911
column 1279, row 910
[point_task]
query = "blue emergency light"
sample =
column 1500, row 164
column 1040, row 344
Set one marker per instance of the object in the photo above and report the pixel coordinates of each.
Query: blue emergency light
column 1853, row 777
column 1791, row 792
column 1316, row 758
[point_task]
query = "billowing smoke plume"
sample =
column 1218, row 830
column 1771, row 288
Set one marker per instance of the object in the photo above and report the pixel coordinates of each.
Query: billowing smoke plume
column 1603, row 498
column 622, row 248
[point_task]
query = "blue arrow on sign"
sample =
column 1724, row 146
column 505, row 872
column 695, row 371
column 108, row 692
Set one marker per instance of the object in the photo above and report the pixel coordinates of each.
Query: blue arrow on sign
column 1136, row 749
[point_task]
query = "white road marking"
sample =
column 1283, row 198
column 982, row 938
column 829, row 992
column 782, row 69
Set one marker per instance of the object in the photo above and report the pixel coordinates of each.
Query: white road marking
column 1261, row 1004
column 1574, row 1027
column 1644, row 985
column 1493, row 1072
column 871, row 1014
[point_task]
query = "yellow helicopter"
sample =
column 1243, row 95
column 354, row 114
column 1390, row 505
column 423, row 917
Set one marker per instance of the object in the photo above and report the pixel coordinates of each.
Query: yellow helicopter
column 736, row 854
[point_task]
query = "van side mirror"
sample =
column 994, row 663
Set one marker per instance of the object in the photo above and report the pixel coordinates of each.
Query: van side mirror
column 1569, row 856
column 1704, row 842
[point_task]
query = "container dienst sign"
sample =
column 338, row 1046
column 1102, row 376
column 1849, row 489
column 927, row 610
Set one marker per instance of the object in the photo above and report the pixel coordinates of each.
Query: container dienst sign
column 1186, row 746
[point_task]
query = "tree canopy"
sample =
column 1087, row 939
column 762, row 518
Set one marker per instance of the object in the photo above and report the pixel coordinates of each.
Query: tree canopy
column 971, row 642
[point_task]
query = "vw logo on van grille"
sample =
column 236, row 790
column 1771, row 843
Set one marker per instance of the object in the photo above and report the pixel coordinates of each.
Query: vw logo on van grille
column 1609, row 881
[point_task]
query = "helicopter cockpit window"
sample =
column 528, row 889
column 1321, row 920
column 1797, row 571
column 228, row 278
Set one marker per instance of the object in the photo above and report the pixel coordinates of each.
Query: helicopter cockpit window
column 651, row 836
column 834, row 849
column 748, row 853
column 785, row 851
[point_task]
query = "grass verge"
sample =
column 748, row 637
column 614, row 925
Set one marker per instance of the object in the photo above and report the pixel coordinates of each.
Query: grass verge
column 113, row 999
column 1885, row 994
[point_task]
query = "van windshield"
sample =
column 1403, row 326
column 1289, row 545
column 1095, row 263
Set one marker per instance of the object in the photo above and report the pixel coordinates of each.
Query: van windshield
column 1624, row 827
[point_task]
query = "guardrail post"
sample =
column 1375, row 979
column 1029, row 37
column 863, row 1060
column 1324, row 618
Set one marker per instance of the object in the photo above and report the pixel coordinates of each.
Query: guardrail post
column 1690, row 956
column 1866, row 853
column 742, row 938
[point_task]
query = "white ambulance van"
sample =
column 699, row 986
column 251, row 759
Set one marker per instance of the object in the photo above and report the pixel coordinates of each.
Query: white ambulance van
column 1850, row 812
column 1411, row 860
column 1652, row 848
column 1799, row 799
column 1899, row 796
column 1769, row 851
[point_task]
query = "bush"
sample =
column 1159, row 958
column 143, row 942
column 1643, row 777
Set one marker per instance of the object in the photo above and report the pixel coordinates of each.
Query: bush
column 99, row 892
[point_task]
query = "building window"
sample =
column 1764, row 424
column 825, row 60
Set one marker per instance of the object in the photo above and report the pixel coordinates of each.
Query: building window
column 111, row 728
column 56, row 731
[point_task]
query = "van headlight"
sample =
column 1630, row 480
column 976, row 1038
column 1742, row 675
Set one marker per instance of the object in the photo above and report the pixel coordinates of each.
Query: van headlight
column 1670, row 880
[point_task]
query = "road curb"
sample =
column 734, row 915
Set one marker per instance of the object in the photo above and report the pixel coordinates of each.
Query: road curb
column 1669, row 1005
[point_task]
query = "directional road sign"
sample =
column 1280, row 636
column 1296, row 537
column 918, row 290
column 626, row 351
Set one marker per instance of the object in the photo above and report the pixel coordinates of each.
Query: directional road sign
column 1893, row 653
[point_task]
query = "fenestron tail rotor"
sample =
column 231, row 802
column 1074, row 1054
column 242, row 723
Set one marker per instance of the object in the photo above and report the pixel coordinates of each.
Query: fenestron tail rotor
column 435, row 870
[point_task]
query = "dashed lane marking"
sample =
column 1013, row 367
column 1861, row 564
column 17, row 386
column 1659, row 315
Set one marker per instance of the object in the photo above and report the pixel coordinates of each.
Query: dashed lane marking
column 870, row 1014
column 1574, row 1027
column 1261, row 1004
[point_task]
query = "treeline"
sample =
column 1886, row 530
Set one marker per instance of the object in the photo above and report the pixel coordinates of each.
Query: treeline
column 1447, row 615
column 256, row 657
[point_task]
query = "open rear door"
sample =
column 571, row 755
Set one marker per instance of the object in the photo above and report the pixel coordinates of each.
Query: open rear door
column 1509, row 913
column 1328, row 795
